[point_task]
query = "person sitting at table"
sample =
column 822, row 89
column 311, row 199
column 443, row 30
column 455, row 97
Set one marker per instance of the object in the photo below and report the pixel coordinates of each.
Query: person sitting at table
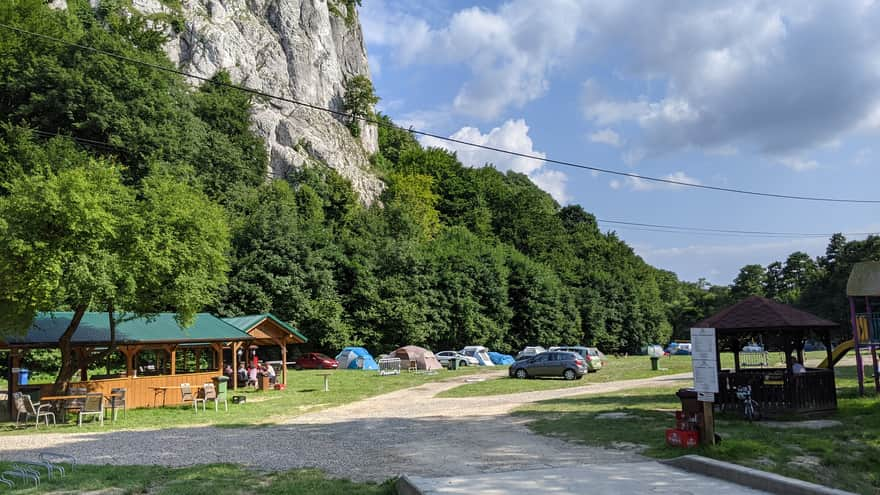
column 269, row 371
column 796, row 367
column 252, row 376
column 242, row 374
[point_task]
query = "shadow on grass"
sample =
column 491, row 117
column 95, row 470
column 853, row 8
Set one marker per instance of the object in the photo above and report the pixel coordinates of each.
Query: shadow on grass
column 618, row 401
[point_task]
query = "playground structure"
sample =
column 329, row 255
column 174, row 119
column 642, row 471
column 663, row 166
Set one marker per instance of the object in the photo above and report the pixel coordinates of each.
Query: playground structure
column 863, row 291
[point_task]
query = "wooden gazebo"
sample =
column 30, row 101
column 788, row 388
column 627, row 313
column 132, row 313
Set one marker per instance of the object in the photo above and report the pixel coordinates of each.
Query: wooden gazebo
column 780, row 328
column 176, row 354
column 265, row 329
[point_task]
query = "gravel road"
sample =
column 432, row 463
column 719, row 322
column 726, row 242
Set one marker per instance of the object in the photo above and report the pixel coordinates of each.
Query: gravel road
column 407, row 431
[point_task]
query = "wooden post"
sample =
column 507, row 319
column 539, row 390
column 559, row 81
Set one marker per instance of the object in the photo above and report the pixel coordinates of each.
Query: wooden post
column 172, row 355
column 218, row 348
column 860, row 369
column 130, row 352
column 707, row 434
column 284, row 364
column 198, row 360
column 826, row 340
column 235, row 347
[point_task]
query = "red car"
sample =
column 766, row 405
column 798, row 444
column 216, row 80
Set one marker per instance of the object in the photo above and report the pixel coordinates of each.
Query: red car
column 315, row 361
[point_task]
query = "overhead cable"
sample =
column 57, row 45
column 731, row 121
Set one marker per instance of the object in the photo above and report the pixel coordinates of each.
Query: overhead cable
column 439, row 137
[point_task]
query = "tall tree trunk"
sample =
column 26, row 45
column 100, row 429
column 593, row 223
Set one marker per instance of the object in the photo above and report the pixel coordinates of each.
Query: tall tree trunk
column 65, row 345
column 68, row 366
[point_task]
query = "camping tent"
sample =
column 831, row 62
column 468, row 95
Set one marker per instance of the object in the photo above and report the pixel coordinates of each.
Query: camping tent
column 418, row 357
column 501, row 359
column 356, row 358
column 479, row 352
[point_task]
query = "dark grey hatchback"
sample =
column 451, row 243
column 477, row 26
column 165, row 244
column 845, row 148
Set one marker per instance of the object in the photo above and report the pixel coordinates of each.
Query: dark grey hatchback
column 568, row 365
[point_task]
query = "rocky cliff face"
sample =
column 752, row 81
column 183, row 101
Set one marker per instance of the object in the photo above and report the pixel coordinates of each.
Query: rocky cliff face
column 297, row 49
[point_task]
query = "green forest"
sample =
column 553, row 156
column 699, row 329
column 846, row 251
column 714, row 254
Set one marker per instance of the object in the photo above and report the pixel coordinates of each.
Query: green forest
column 124, row 188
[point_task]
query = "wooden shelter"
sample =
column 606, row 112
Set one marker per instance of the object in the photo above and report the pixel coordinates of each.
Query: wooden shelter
column 176, row 354
column 266, row 329
column 781, row 328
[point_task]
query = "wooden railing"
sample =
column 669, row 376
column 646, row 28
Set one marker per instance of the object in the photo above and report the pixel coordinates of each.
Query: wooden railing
column 780, row 392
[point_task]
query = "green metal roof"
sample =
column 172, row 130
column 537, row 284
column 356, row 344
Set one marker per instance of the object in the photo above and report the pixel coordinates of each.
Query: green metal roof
column 248, row 322
column 161, row 328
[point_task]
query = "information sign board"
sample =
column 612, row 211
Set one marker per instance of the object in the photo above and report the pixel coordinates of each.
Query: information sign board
column 703, row 356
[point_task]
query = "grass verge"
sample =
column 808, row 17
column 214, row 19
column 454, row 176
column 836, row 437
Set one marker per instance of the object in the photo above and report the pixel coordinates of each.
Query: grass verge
column 843, row 456
column 214, row 479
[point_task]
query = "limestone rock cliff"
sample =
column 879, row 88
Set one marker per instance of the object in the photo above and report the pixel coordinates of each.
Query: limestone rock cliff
column 303, row 50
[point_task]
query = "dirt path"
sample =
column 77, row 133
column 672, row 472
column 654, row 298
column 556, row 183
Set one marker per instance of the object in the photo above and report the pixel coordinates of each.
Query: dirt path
column 407, row 431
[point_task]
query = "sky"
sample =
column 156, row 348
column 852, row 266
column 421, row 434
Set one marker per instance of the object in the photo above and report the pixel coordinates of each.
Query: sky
column 770, row 96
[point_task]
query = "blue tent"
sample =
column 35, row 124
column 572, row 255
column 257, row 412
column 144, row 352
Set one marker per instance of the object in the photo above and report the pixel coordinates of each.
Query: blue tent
column 502, row 359
column 355, row 358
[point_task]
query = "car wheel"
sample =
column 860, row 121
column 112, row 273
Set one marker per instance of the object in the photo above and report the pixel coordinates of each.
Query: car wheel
column 521, row 373
column 462, row 363
column 569, row 374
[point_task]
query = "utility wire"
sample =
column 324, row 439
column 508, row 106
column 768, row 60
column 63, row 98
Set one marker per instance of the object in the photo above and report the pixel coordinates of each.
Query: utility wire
column 437, row 136
column 689, row 230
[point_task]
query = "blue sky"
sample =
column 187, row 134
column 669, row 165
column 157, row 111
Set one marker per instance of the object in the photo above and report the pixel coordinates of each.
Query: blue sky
column 775, row 96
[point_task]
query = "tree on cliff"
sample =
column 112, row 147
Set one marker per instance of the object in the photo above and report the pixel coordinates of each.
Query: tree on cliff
column 358, row 102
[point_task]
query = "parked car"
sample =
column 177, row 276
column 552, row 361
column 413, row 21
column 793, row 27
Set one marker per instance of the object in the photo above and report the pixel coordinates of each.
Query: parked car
column 315, row 361
column 753, row 347
column 568, row 365
column 530, row 351
column 590, row 355
column 446, row 356
column 683, row 350
column 594, row 351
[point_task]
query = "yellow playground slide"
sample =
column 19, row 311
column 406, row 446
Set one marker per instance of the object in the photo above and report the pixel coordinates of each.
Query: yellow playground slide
column 838, row 353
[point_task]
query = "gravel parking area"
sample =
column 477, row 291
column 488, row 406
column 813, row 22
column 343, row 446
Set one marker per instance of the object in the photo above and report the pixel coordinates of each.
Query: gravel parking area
column 407, row 431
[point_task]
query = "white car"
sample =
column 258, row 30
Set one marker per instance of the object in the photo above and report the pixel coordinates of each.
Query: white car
column 445, row 356
column 530, row 351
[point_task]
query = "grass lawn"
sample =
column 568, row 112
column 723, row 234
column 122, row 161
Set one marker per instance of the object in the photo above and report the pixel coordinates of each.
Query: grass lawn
column 215, row 479
column 305, row 393
column 844, row 457
column 618, row 368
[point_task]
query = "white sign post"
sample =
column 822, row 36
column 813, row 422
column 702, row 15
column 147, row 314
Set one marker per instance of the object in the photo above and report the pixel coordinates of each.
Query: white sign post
column 705, row 363
column 703, row 355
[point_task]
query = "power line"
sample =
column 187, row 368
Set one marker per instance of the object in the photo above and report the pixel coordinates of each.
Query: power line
column 437, row 136
column 692, row 230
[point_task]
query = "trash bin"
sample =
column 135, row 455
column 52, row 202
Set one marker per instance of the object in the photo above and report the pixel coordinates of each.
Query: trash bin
column 23, row 375
column 221, row 383
column 689, row 403
column 655, row 364
column 453, row 364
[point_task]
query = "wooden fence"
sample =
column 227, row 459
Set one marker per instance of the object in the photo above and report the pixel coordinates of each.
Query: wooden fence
column 141, row 391
column 780, row 392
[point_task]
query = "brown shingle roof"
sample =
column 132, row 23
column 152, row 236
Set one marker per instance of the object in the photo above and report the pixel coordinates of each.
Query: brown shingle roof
column 761, row 313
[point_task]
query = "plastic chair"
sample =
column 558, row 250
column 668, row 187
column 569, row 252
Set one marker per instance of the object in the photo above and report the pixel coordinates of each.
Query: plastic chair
column 186, row 395
column 117, row 400
column 93, row 406
column 209, row 394
column 35, row 411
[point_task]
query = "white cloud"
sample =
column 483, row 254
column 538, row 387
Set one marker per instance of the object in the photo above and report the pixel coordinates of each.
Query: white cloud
column 513, row 135
column 509, row 51
column 636, row 184
column 778, row 77
column 606, row 136
column 797, row 163
column 552, row 181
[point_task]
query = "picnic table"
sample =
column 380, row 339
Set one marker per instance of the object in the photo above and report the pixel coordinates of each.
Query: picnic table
column 164, row 389
column 56, row 398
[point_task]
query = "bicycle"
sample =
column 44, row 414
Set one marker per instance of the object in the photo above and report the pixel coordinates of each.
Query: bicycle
column 751, row 409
